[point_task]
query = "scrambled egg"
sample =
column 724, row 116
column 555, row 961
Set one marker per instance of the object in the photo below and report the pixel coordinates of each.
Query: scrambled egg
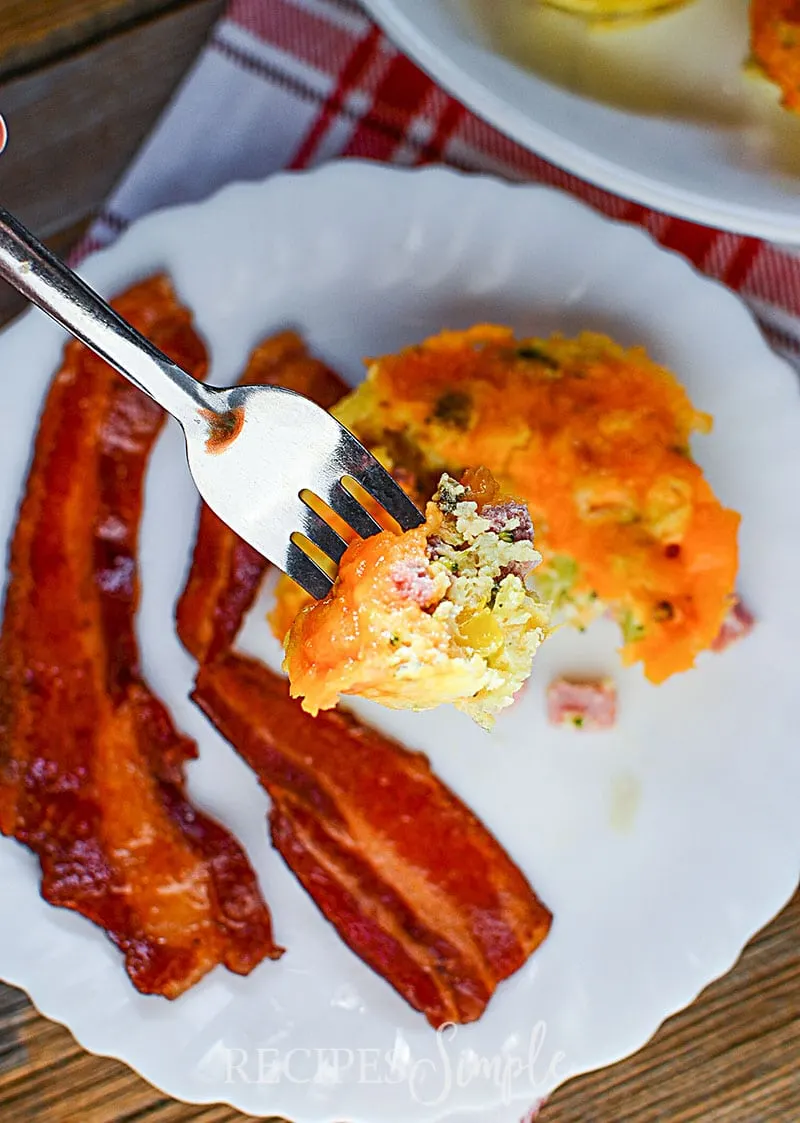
column 438, row 614
column 775, row 38
column 596, row 441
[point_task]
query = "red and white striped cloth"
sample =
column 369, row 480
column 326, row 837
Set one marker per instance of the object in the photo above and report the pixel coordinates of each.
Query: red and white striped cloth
column 291, row 83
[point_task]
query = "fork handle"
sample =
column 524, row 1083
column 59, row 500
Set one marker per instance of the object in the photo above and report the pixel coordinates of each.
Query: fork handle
column 51, row 285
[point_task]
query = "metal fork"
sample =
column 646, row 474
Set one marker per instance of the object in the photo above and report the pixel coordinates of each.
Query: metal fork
column 255, row 452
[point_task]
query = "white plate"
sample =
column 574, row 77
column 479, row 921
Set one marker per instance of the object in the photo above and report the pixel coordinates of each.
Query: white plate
column 661, row 847
column 662, row 113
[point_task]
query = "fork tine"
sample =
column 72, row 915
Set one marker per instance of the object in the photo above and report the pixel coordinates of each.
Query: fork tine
column 347, row 507
column 302, row 569
column 322, row 535
column 374, row 478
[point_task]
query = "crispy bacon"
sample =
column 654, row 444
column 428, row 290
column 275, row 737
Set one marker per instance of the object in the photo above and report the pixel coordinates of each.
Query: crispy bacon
column 409, row 877
column 91, row 765
column 226, row 573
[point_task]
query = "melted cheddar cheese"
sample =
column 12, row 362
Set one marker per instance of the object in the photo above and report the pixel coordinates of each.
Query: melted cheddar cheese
column 596, row 440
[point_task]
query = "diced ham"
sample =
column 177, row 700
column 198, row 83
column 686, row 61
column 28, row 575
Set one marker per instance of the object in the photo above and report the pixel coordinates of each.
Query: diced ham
column 737, row 624
column 501, row 514
column 414, row 582
column 515, row 569
column 587, row 704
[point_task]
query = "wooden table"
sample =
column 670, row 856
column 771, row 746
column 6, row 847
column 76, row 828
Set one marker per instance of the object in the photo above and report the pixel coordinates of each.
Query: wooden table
column 81, row 83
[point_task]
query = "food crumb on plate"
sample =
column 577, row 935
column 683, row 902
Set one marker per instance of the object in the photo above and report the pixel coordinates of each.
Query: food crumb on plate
column 626, row 796
column 585, row 704
column 738, row 624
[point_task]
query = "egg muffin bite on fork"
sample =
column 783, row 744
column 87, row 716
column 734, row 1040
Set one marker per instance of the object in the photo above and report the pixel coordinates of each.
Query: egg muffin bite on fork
column 439, row 614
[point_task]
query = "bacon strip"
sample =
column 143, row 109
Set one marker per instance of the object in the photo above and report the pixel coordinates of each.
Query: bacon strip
column 91, row 765
column 411, row 880
column 409, row 877
column 226, row 573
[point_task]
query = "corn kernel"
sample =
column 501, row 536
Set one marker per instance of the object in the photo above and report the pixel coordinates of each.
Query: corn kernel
column 482, row 633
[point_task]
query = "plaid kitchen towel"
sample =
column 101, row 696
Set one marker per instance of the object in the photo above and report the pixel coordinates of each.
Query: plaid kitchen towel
column 291, row 83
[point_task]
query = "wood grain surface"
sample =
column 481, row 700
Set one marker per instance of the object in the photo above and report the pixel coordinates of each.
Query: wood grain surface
column 75, row 123
column 81, row 83
column 37, row 31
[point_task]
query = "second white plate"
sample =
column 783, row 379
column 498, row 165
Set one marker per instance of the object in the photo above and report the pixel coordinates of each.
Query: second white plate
column 661, row 113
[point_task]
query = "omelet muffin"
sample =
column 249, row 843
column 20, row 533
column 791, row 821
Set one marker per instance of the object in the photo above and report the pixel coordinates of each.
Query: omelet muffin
column 439, row 614
column 627, row 10
column 596, row 440
column 775, row 44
